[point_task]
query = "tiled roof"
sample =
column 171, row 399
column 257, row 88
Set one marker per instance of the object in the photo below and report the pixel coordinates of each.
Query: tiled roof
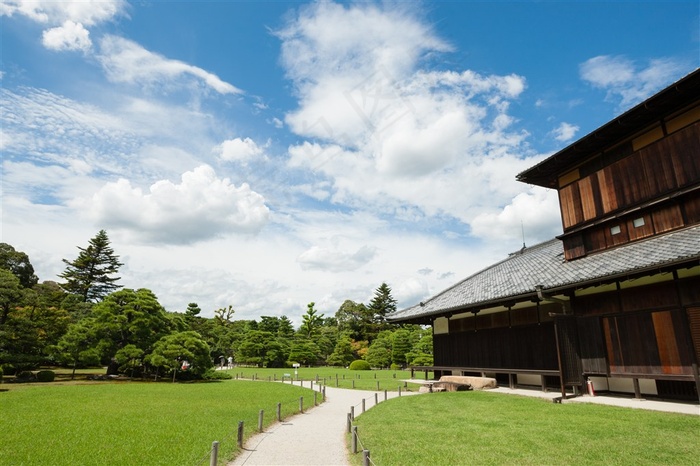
column 544, row 264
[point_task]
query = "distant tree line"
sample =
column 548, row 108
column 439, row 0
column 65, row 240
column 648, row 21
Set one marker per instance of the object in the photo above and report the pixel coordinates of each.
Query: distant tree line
column 90, row 320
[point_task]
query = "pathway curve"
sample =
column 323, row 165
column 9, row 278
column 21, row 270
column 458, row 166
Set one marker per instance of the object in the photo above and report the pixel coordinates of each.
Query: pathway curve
column 316, row 437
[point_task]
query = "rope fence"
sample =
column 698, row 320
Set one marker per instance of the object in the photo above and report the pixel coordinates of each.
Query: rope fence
column 356, row 444
column 320, row 388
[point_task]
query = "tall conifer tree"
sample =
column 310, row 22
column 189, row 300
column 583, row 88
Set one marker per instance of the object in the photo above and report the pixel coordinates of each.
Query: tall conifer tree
column 92, row 274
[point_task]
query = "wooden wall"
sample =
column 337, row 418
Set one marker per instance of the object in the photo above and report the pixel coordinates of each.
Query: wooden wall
column 658, row 169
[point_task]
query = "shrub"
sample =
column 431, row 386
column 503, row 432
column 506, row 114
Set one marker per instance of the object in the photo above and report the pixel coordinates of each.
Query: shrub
column 359, row 365
column 25, row 376
column 1, row 374
column 395, row 367
column 212, row 374
column 45, row 376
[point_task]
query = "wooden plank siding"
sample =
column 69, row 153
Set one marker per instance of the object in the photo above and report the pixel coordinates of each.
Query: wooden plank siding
column 658, row 169
column 530, row 347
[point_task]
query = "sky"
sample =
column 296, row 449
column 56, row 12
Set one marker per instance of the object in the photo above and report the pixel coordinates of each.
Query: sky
column 268, row 154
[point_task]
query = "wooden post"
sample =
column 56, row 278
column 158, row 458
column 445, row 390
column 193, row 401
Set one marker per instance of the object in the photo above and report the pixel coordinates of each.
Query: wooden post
column 377, row 385
column 399, row 390
column 279, row 411
column 240, row 434
column 353, row 383
column 301, row 404
column 214, row 454
column 365, row 458
column 315, row 402
column 349, row 422
column 274, row 377
column 363, row 405
column 352, row 413
column 637, row 391
column 385, row 395
column 311, row 386
column 354, row 439
column 260, row 420
column 376, row 399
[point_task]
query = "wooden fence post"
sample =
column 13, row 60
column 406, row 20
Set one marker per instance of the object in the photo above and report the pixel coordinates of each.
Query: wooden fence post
column 349, row 423
column 365, row 457
column 214, row 454
column 260, row 420
column 385, row 395
column 352, row 413
column 376, row 399
column 363, row 405
column 279, row 411
column 301, row 404
column 399, row 390
column 354, row 439
column 240, row 434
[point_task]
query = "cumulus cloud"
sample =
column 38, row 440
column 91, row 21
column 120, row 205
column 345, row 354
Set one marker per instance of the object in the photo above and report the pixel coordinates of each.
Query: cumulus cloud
column 534, row 213
column 127, row 62
column 335, row 260
column 388, row 133
column 565, row 132
column 69, row 36
column 89, row 12
column 627, row 81
column 239, row 150
column 200, row 207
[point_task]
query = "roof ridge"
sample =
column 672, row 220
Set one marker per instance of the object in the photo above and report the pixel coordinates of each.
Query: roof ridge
column 511, row 256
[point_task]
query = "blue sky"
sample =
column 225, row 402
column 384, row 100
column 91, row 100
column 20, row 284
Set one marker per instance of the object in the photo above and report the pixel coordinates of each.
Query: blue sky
column 269, row 154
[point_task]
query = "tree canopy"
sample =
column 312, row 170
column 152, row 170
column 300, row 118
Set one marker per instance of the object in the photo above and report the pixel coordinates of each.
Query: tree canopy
column 92, row 274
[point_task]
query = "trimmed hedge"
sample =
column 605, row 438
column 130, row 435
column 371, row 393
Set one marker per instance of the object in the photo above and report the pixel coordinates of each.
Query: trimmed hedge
column 212, row 374
column 45, row 376
column 360, row 365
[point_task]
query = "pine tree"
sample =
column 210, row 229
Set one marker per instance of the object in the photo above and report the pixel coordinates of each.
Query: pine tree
column 381, row 305
column 91, row 275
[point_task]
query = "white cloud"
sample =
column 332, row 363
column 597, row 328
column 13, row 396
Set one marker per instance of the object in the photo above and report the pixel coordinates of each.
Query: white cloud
column 200, row 207
column 565, row 132
column 89, row 12
column 69, row 36
column 239, row 150
column 389, row 135
column 534, row 213
column 128, row 62
column 625, row 80
column 335, row 260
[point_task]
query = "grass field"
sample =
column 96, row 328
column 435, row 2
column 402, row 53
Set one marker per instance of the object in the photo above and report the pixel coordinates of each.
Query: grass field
column 336, row 377
column 134, row 423
column 466, row 428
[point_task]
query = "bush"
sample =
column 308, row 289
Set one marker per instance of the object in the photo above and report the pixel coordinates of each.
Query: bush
column 360, row 365
column 1, row 374
column 212, row 374
column 395, row 367
column 45, row 376
column 25, row 376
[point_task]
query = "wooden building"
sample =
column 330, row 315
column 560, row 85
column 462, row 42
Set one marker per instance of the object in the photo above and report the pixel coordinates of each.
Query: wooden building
column 615, row 299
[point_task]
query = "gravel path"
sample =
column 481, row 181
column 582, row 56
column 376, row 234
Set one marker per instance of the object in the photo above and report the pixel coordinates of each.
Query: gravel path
column 316, row 437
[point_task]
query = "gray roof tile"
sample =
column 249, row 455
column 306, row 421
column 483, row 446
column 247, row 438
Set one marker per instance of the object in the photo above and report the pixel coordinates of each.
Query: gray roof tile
column 544, row 265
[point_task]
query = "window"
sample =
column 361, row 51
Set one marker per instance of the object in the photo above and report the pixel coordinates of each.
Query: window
column 615, row 230
column 638, row 222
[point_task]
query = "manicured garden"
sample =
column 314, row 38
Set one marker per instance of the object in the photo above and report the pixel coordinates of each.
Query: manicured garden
column 389, row 380
column 463, row 428
column 134, row 423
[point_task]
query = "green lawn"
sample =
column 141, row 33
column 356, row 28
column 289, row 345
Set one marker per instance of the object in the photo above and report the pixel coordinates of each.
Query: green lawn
column 468, row 428
column 134, row 423
column 337, row 377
